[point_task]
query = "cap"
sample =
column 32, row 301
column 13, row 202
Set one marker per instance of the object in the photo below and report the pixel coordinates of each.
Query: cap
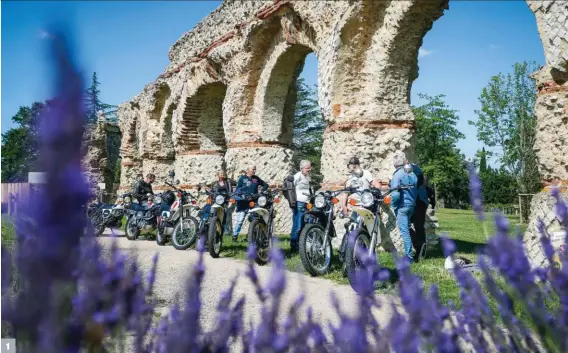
column 353, row 160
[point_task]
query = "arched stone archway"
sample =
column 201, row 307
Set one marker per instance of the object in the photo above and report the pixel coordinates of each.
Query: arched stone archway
column 367, row 55
column 199, row 137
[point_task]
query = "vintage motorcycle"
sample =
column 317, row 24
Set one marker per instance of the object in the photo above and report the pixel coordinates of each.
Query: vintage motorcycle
column 221, row 205
column 261, row 218
column 146, row 218
column 103, row 215
column 367, row 229
column 317, row 230
column 177, row 222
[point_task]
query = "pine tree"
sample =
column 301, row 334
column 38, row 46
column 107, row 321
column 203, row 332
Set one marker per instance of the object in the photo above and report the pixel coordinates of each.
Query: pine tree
column 93, row 103
column 309, row 126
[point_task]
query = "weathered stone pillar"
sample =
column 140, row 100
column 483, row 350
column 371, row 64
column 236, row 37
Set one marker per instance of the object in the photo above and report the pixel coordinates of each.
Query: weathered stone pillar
column 366, row 92
column 95, row 159
column 551, row 111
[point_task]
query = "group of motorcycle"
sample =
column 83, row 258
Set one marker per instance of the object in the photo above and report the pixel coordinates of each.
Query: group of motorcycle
column 170, row 214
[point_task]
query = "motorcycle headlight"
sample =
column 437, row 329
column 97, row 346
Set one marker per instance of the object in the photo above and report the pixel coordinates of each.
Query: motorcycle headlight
column 165, row 214
column 220, row 199
column 262, row 201
column 127, row 199
column 319, row 201
column 187, row 199
column 367, row 199
column 157, row 199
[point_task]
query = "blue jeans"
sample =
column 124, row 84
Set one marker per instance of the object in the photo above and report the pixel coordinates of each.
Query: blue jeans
column 403, row 215
column 298, row 215
column 240, row 220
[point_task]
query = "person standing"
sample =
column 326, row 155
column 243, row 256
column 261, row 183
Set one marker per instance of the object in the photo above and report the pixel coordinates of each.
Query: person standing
column 419, row 215
column 224, row 186
column 247, row 184
column 403, row 201
column 302, row 184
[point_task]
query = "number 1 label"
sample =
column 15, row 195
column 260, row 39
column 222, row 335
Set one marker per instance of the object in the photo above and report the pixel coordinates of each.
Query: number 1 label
column 8, row 345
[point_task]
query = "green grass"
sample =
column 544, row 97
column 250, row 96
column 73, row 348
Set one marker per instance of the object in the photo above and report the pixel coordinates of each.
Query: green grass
column 460, row 225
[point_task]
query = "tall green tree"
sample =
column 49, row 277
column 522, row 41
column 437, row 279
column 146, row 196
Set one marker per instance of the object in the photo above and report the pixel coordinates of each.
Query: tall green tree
column 93, row 102
column 438, row 156
column 506, row 120
column 309, row 126
column 20, row 144
column 482, row 161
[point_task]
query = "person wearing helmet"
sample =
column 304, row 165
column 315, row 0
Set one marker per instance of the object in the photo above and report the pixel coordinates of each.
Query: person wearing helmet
column 143, row 188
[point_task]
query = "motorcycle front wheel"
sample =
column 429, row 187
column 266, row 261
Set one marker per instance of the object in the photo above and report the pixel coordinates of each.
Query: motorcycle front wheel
column 258, row 234
column 315, row 255
column 132, row 231
column 215, row 237
column 352, row 262
column 182, row 239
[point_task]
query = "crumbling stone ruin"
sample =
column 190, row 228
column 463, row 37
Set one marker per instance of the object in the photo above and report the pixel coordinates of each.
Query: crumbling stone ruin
column 552, row 123
column 97, row 158
column 227, row 100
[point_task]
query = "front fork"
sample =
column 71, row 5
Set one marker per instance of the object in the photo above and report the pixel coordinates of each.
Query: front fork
column 328, row 226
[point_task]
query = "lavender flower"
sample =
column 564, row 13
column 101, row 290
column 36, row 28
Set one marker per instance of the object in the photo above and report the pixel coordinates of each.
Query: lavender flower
column 475, row 194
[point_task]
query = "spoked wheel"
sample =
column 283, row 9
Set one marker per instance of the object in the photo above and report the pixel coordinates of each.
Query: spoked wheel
column 315, row 255
column 258, row 234
column 215, row 237
column 185, row 233
column 132, row 231
column 353, row 263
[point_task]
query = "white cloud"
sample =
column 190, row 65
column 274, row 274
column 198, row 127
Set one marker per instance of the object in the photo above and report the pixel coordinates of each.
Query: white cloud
column 43, row 34
column 423, row 52
column 494, row 46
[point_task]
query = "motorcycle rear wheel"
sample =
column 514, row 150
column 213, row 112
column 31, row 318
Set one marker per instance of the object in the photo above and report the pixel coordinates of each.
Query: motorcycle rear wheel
column 353, row 264
column 316, row 264
column 257, row 234
column 184, row 241
column 132, row 231
column 215, row 237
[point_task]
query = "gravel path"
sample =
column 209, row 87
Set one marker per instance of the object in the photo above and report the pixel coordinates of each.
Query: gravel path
column 174, row 265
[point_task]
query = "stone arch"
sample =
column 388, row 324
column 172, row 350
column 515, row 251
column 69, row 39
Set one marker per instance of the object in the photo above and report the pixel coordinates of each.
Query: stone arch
column 201, row 122
column 278, row 95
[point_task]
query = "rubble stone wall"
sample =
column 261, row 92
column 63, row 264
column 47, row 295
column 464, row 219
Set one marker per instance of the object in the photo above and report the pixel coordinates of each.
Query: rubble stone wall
column 226, row 99
column 551, row 110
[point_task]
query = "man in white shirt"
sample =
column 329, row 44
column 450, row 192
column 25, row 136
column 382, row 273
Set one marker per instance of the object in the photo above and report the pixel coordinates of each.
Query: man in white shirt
column 360, row 179
column 302, row 183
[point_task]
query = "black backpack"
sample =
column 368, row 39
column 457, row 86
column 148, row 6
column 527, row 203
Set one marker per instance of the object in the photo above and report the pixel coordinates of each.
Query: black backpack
column 289, row 191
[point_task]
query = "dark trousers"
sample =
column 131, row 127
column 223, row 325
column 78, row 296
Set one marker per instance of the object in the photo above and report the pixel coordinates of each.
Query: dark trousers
column 418, row 219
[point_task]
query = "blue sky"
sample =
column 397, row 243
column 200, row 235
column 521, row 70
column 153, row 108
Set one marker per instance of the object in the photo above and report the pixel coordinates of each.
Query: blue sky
column 127, row 44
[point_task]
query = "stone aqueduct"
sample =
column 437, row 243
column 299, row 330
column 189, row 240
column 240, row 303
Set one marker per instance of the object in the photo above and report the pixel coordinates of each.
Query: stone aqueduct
column 227, row 98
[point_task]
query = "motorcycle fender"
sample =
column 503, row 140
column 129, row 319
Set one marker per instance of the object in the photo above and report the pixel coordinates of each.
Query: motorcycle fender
column 367, row 216
column 261, row 212
column 219, row 211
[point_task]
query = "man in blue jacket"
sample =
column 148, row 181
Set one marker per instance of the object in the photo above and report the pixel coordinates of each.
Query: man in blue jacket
column 403, row 201
column 419, row 215
column 247, row 184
